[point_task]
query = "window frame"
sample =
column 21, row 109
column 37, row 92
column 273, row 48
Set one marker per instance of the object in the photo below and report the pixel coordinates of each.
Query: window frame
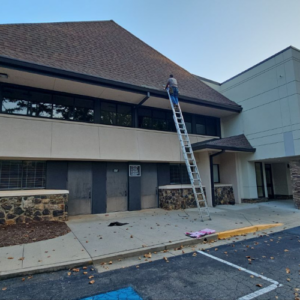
column 182, row 174
column 167, row 122
column 218, row 170
column 22, row 176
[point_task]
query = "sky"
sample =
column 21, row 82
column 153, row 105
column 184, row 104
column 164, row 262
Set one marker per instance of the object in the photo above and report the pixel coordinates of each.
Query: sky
column 216, row 39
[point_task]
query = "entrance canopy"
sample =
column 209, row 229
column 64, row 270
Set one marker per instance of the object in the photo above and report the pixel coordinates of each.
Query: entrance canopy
column 237, row 143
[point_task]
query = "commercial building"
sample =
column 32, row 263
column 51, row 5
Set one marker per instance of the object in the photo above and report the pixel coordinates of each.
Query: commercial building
column 84, row 110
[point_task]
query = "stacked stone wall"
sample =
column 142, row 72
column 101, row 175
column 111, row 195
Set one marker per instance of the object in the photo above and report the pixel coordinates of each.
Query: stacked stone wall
column 172, row 199
column 295, row 179
column 21, row 209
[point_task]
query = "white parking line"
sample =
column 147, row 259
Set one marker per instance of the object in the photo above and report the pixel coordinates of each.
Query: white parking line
column 271, row 287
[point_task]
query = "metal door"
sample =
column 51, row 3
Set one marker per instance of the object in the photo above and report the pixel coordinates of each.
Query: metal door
column 149, row 197
column 80, row 188
column 117, row 187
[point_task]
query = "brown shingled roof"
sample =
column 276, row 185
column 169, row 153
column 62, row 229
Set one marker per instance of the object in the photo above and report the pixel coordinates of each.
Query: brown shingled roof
column 101, row 49
column 237, row 143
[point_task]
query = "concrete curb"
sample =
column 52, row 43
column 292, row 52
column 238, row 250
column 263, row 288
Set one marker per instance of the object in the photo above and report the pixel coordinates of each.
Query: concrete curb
column 44, row 269
column 155, row 248
column 105, row 258
column 241, row 231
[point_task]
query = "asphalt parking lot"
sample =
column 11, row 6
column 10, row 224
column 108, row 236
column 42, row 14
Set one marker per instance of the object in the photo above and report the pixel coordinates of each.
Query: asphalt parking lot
column 265, row 267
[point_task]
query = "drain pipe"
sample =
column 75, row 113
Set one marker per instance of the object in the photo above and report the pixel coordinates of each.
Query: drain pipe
column 212, row 176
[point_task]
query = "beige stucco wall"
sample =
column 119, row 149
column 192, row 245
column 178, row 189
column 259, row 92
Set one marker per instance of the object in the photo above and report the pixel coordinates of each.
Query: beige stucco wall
column 229, row 173
column 34, row 138
column 202, row 159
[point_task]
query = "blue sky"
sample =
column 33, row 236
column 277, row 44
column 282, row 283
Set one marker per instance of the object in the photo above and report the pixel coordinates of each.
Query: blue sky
column 212, row 38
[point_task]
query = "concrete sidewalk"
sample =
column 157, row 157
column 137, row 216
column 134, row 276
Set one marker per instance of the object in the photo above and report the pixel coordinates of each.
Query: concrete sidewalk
column 92, row 241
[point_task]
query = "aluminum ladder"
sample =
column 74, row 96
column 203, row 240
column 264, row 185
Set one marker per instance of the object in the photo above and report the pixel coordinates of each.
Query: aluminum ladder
column 190, row 161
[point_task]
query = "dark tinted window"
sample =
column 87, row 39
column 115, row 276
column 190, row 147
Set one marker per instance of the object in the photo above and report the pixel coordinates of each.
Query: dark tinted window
column 15, row 101
column 145, row 118
column 40, row 105
column 159, row 120
column 179, row 174
column 200, row 125
column 108, row 113
column 124, row 115
column 188, row 122
column 83, row 110
column 211, row 126
column 62, row 106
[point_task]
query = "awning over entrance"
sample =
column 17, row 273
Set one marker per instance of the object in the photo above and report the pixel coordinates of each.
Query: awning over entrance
column 233, row 143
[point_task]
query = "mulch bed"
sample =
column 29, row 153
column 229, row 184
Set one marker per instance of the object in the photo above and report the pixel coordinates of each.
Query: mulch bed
column 31, row 232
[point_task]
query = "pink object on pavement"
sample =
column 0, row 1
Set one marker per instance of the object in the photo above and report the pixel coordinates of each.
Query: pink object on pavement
column 200, row 233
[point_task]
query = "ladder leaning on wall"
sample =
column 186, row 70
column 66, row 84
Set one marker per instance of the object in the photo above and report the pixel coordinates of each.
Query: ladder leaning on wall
column 190, row 161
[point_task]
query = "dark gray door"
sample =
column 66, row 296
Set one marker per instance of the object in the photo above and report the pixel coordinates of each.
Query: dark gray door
column 80, row 188
column 149, row 186
column 117, row 187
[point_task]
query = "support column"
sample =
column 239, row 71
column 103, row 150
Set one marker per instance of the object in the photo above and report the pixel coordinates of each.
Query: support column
column 295, row 179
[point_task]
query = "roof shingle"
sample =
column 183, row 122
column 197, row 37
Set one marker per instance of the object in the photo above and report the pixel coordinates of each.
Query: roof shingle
column 102, row 49
column 237, row 142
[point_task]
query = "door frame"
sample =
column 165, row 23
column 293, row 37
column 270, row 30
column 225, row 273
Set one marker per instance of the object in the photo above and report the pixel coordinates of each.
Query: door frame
column 271, row 177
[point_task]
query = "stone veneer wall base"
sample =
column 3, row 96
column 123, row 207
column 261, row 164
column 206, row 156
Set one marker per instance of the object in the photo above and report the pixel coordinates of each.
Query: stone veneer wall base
column 295, row 179
column 21, row 209
column 184, row 198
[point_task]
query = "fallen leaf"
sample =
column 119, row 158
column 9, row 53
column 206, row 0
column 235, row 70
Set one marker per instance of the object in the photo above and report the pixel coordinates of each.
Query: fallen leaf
column 216, row 249
column 288, row 279
column 251, row 276
column 92, row 276
column 85, row 273
column 69, row 273
column 75, row 270
column 110, row 263
column 287, row 271
column 183, row 252
column 21, row 258
column 84, row 268
column 137, row 266
column 10, row 258
column 4, row 289
column 23, row 279
column 92, row 282
column 286, row 250
column 194, row 254
column 131, row 236
column 148, row 255
column 259, row 285
column 272, row 257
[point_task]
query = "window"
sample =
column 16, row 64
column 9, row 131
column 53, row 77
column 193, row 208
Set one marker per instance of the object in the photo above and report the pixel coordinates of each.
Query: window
column 188, row 122
column 159, row 120
column 22, row 175
column 200, row 125
column 40, row 105
column 259, row 180
column 116, row 114
column 46, row 104
column 124, row 115
column 15, row 101
column 62, row 106
column 83, row 110
column 179, row 174
column 211, row 126
column 216, row 173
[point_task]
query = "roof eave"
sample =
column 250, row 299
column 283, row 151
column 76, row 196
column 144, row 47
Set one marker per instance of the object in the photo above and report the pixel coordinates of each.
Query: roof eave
column 70, row 75
column 196, row 147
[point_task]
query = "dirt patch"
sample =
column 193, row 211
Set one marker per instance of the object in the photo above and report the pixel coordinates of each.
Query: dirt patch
column 31, row 232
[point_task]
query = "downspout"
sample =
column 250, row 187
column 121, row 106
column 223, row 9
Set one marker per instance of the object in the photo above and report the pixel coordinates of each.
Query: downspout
column 212, row 176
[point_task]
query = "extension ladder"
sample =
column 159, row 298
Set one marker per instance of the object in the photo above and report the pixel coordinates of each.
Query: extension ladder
column 190, row 161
